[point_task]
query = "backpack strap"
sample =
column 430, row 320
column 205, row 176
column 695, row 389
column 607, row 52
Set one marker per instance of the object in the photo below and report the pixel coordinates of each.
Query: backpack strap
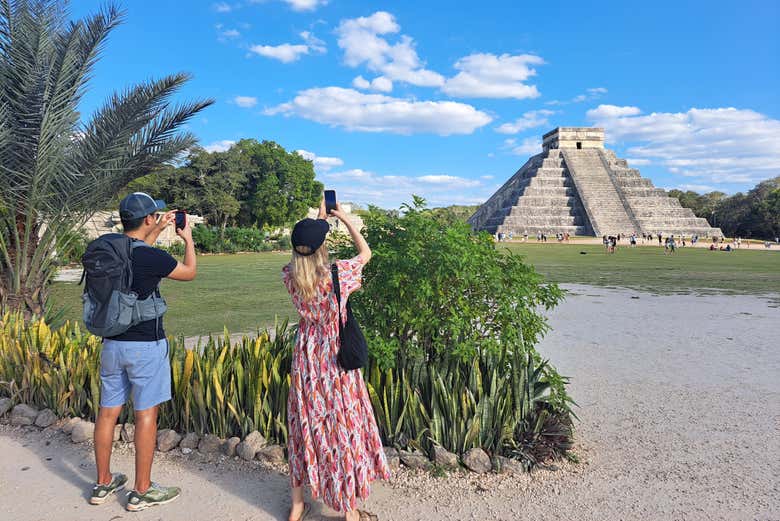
column 334, row 271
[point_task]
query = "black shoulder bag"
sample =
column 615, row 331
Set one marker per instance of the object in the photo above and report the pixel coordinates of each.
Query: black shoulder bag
column 353, row 349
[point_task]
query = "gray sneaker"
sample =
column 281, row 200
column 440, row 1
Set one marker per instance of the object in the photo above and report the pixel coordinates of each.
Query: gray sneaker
column 100, row 493
column 156, row 495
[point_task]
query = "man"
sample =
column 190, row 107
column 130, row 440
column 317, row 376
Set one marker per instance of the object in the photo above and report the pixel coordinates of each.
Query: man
column 136, row 362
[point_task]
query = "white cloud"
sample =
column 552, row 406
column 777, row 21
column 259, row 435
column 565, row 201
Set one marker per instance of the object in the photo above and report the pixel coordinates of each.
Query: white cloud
column 633, row 161
column 230, row 33
column 382, row 84
column 531, row 119
column 694, row 187
column 245, row 101
column 611, row 111
column 285, row 53
column 489, row 76
column 321, row 163
column 448, row 180
column 721, row 145
column 364, row 43
column 379, row 83
column 223, row 7
column 361, row 83
column 390, row 191
column 314, row 43
column 355, row 110
column 305, row 5
column 529, row 146
column 219, row 146
column 590, row 94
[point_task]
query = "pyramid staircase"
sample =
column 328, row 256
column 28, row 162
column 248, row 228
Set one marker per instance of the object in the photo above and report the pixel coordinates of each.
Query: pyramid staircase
column 584, row 192
column 539, row 198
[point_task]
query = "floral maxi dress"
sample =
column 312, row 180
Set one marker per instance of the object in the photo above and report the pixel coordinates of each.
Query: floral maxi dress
column 333, row 440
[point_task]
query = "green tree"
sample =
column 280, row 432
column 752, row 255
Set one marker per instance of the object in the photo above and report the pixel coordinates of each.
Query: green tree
column 251, row 184
column 280, row 185
column 435, row 290
column 770, row 208
column 56, row 169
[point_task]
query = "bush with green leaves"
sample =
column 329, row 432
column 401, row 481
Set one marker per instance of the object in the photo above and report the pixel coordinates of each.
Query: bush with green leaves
column 235, row 239
column 453, row 322
column 436, row 290
column 74, row 246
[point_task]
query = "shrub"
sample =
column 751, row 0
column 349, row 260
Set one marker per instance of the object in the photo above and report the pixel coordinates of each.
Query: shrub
column 500, row 403
column 175, row 248
column 233, row 240
column 75, row 244
column 284, row 243
column 435, row 291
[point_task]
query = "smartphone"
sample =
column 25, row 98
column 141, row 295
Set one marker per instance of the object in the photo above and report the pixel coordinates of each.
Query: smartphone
column 330, row 201
column 181, row 219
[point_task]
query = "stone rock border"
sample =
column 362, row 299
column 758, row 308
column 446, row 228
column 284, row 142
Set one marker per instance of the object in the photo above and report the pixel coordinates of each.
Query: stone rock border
column 254, row 447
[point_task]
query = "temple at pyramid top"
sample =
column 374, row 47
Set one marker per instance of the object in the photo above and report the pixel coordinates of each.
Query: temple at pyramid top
column 575, row 185
column 573, row 137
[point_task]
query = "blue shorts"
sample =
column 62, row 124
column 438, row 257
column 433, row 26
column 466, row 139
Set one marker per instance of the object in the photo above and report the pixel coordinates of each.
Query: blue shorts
column 142, row 368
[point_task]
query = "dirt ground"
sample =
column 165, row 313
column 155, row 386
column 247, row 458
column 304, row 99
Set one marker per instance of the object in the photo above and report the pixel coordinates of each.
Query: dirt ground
column 679, row 407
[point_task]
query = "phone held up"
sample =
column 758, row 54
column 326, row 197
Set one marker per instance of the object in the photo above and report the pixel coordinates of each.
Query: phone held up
column 330, row 201
column 181, row 219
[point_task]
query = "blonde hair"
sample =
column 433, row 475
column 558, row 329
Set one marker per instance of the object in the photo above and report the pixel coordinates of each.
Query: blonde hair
column 307, row 271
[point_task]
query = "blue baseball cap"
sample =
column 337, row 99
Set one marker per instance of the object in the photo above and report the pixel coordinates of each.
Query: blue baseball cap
column 138, row 205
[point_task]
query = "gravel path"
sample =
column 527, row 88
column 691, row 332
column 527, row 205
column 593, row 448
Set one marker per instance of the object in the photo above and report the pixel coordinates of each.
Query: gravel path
column 680, row 419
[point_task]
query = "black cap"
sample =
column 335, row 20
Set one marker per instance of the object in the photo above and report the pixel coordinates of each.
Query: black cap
column 139, row 204
column 309, row 232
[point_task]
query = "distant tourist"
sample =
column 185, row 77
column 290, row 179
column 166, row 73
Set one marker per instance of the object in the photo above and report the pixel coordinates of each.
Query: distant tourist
column 659, row 239
column 333, row 440
column 671, row 245
column 633, row 241
column 525, row 235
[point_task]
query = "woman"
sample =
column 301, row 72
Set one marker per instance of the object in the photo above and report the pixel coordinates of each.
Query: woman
column 333, row 441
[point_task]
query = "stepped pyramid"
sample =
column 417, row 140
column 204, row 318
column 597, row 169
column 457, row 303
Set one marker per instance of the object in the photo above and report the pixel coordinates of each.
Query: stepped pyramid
column 577, row 186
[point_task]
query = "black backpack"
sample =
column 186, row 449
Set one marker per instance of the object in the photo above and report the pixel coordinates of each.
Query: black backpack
column 111, row 307
column 353, row 348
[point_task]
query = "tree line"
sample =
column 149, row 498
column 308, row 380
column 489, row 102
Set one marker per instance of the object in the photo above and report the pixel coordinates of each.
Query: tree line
column 753, row 214
column 251, row 184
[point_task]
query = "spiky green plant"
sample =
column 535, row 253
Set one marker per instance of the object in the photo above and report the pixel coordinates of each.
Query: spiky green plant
column 504, row 404
column 55, row 168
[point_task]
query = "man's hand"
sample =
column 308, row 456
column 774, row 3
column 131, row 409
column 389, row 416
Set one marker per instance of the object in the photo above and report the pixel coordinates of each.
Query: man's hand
column 186, row 232
column 166, row 219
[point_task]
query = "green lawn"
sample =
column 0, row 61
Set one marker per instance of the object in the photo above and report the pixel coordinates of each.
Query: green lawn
column 646, row 268
column 244, row 292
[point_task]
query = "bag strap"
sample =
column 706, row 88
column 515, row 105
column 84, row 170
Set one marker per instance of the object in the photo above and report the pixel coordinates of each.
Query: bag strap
column 334, row 272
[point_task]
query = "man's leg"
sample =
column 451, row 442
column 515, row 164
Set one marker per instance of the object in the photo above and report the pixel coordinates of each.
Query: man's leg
column 104, row 439
column 145, row 443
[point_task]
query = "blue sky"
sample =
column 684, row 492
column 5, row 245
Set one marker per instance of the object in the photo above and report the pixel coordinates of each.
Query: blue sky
column 448, row 99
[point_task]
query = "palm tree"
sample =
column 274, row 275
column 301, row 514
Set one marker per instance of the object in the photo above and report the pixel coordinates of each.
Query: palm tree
column 55, row 168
